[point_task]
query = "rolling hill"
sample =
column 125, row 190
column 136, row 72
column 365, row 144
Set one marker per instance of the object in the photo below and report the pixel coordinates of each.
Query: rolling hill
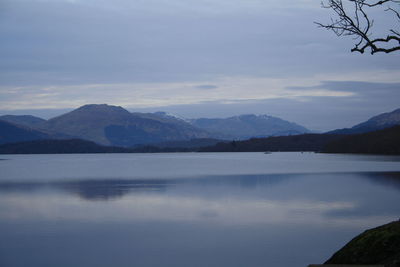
column 10, row 133
column 25, row 120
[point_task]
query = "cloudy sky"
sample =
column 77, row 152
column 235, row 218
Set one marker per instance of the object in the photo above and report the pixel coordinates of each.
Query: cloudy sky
column 194, row 58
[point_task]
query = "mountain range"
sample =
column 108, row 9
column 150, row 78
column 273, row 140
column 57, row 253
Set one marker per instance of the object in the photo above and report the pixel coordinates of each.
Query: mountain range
column 116, row 126
column 108, row 129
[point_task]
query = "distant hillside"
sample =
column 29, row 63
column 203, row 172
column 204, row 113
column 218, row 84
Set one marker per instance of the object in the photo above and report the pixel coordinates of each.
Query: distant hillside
column 379, row 122
column 13, row 133
column 248, row 126
column 386, row 141
column 115, row 126
column 112, row 125
column 304, row 142
column 78, row 146
column 25, row 120
column 58, row 147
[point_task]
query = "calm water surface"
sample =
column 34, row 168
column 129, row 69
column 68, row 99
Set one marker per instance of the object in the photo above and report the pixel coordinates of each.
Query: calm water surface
column 190, row 209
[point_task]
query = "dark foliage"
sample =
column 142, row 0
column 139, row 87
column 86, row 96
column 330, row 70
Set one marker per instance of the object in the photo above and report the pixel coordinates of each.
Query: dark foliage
column 385, row 141
column 58, row 147
column 380, row 245
column 78, row 146
column 303, row 142
column 192, row 143
column 155, row 149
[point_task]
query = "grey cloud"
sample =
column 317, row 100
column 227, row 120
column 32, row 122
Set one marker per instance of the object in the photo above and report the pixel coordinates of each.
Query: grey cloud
column 317, row 113
column 123, row 41
column 59, row 42
column 354, row 86
column 206, row 87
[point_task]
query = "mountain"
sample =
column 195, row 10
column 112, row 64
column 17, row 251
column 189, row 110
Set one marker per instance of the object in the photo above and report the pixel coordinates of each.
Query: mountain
column 164, row 117
column 113, row 125
column 386, row 141
column 382, row 121
column 247, row 126
column 25, row 120
column 10, row 133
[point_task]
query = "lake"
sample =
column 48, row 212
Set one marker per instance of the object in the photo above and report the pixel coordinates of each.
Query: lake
column 190, row 209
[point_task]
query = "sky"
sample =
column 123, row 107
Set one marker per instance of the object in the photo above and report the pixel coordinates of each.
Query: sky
column 193, row 58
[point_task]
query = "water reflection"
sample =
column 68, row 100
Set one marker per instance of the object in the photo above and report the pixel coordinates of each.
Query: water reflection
column 244, row 220
column 67, row 167
column 110, row 189
column 390, row 179
column 345, row 199
column 228, row 209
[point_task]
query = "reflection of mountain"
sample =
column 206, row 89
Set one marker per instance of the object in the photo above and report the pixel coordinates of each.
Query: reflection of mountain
column 242, row 181
column 92, row 189
column 111, row 189
column 389, row 179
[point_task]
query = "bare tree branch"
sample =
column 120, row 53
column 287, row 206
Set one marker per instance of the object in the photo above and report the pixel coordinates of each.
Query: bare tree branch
column 352, row 19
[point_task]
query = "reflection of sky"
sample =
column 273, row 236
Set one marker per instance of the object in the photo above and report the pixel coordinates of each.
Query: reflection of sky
column 182, row 165
column 224, row 219
column 165, row 208
column 310, row 199
column 263, row 220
